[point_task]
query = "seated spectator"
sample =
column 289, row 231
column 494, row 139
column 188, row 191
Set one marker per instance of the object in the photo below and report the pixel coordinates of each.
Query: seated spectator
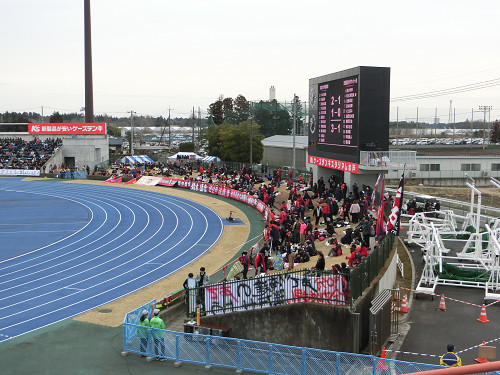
column 320, row 263
column 335, row 251
column 348, row 237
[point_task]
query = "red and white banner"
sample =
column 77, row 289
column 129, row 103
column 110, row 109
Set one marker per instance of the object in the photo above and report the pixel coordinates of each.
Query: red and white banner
column 394, row 220
column 222, row 298
column 114, row 180
column 149, row 180
column 334, row 164
column 222, row 191
column 67, row 128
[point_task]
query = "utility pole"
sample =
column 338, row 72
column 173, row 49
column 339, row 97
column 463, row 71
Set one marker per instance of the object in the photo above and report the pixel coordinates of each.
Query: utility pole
column 484, row 109
column 42, row 114
column 251, row 126
column 293, row 130
column 416, row 132
column 169, row 133
column 454, row 126
column 471, row 127
column 397, row 126
column 131, row 133
column 436, row 121
column 194, row 122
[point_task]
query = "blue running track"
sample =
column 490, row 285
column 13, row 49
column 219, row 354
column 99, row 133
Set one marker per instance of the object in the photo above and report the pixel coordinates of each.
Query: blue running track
column 69, row 248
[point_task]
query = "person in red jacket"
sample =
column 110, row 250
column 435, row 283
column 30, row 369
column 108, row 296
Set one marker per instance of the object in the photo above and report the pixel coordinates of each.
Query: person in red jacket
column 260, row 264
column 355, row 257
column 363, row 251
column 326, row 212
column 282, row 216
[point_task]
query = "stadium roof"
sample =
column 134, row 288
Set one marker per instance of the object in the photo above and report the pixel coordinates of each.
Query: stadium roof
column 286, row 141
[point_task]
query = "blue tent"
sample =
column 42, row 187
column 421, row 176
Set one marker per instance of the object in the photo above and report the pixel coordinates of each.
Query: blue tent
column 209, row 159
column 139, row 159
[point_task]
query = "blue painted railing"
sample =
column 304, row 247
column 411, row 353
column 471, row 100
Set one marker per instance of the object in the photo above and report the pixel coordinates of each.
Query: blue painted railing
column 261, row 357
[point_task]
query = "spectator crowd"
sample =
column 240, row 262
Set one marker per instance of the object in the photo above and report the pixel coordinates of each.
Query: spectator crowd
column 16, row 153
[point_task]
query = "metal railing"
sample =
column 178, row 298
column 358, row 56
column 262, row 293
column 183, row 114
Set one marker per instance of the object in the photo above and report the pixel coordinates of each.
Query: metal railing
column 303, row 285
column 255, row 356
column 368, row 269
column 388, row 159
column 459, row 207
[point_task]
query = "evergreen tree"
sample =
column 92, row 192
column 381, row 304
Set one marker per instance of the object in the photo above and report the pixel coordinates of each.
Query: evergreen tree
column 495, row 132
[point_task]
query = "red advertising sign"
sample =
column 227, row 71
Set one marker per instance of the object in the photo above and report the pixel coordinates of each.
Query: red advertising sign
column 68, row 128
column 334, row 164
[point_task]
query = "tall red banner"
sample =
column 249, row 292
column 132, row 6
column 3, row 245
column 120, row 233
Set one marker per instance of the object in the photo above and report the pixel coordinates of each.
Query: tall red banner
column 394, row 221
column 67, row 128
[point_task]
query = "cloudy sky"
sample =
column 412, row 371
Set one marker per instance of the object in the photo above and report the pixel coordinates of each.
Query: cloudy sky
column 150, row 55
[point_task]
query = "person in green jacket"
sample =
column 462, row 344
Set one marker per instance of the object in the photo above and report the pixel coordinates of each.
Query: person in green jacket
column 143, row 331
column 158, row 325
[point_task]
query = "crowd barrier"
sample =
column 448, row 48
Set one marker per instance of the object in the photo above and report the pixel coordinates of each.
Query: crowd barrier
column 255, row 356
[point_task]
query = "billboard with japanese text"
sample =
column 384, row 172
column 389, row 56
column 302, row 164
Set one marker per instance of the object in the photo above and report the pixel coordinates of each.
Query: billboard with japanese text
column 67, row 128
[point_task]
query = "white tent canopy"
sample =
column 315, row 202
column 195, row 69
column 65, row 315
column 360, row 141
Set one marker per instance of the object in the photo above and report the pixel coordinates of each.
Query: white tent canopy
column 185, row 156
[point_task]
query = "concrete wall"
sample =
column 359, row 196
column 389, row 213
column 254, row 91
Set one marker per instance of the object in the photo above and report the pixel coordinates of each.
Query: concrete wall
column 282, row 156
column 311, row 325
column 303, row 324
column 389, row 277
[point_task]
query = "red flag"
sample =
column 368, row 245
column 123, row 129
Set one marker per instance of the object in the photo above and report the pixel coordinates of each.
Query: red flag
column 132, row 181
column 381, row 207
column 395, row 216
column 374, row 190
column 380, row 218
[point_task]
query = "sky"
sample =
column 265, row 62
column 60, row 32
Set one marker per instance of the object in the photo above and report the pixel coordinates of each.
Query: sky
column 152, row 55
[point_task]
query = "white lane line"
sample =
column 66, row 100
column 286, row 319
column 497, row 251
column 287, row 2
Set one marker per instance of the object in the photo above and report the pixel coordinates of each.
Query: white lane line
column 130, row 281
column 37, row 231
column 51, row 223
column 119, row 286
column 52, row 252
column 130, row 270
column 62, row 239
column 79, row 264
column 29, row 274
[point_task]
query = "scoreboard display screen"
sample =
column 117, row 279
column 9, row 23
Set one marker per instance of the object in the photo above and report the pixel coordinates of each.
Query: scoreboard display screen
column 349, row 112
column 337, row 112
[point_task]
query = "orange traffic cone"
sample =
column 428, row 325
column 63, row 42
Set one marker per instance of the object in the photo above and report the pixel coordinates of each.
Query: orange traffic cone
column 480, row 359
column 442, row 305
column 381, row 365
column 404, row 305
column 482, row 317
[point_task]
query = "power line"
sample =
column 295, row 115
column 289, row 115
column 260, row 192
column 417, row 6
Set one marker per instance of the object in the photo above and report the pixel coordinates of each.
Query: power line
column 448, row 91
